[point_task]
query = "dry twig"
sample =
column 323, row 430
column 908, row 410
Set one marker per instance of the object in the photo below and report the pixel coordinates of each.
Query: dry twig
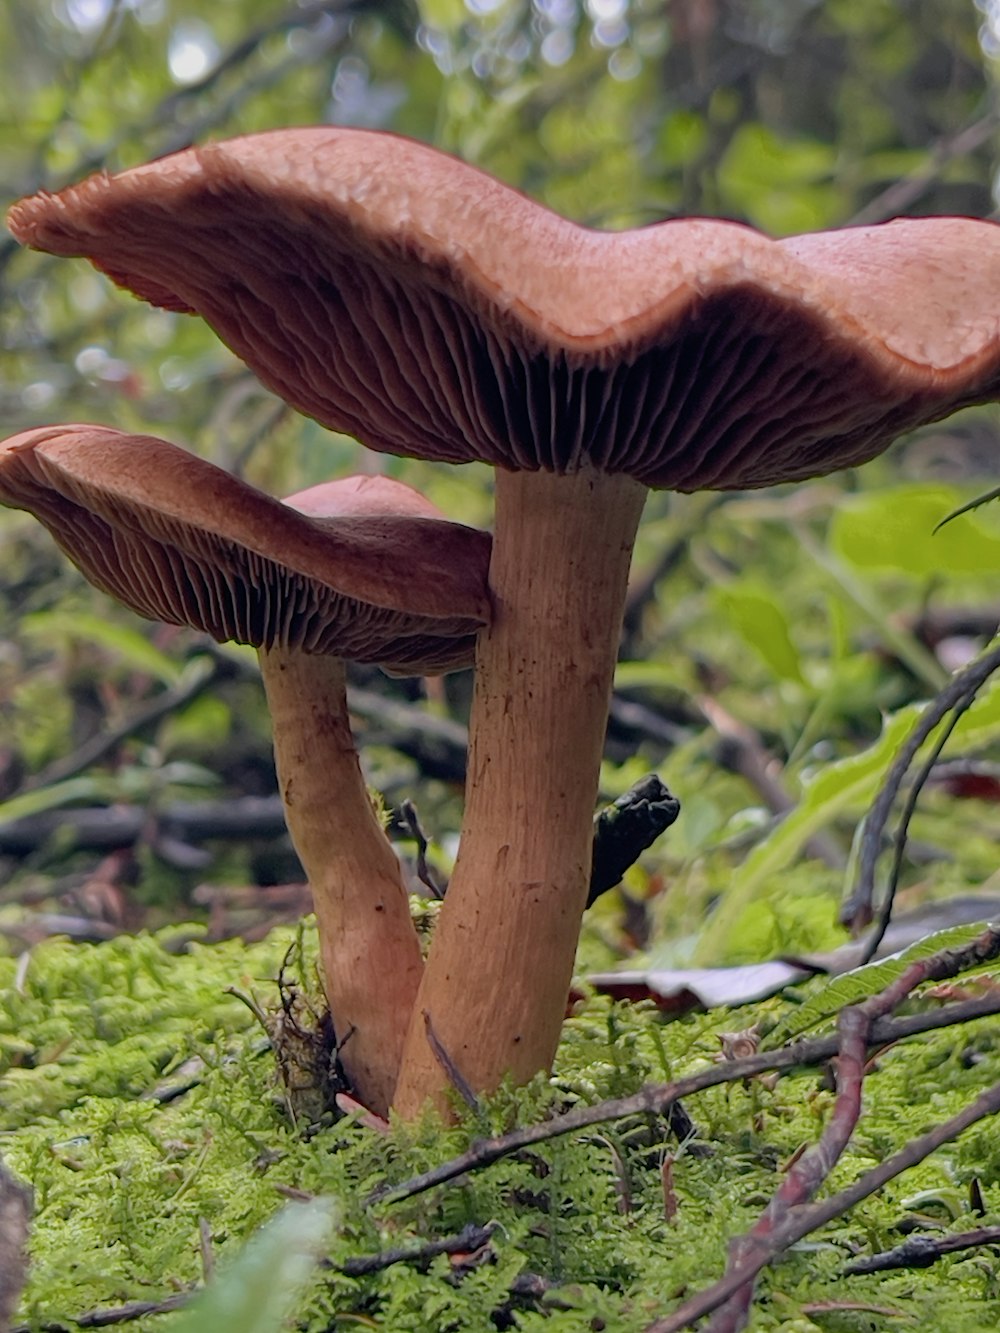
column 751, row 1252
column 809, row 1218
column 957, row 696
column 922, row 1251
column 658, row 1098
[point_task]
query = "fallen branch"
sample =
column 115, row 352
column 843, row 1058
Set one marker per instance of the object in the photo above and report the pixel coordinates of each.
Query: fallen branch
column 751, row 1252
column 117, row 1314
column 198, row 676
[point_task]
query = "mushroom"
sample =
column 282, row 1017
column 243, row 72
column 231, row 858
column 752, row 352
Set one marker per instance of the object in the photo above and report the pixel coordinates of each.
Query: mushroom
column 363, row 568
column 392, row 292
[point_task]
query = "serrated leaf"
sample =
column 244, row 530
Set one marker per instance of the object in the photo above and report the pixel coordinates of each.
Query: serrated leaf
column 863, row 982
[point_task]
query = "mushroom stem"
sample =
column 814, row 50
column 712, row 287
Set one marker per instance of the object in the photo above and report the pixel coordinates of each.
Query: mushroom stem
column 494, row 991
column 368, row 945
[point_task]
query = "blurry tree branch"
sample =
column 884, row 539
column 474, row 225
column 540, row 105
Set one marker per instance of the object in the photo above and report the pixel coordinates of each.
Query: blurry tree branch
column 164, row 130
column 903, row 194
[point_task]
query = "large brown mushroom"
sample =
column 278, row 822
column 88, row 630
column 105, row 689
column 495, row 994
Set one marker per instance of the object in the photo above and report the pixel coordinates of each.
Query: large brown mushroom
column 363, row 568
column 390, row 291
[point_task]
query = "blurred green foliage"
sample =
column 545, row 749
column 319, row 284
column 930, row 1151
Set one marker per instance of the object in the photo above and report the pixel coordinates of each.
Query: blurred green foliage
column 804, row 614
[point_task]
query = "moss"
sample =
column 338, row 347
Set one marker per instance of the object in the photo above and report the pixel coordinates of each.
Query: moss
column 138, row 1098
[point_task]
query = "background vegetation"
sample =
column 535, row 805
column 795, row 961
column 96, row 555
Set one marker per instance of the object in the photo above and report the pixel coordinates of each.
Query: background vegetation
column 768, row 634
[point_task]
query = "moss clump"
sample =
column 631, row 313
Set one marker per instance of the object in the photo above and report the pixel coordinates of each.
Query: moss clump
column 138, row 1098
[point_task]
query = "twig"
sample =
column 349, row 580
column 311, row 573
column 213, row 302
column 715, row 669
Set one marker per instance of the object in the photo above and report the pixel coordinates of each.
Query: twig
column 901, row 194
column 201, row 674
column 957, row 694
column 118, row 1314
column 810, row 1218
column 455, row 1076
column 742, row 751
column 471, row 1237
column 749, row 1253
column 899, row 840
column 922, row 1251
column 657, row 1098
column 167, row 114
column 410, row 821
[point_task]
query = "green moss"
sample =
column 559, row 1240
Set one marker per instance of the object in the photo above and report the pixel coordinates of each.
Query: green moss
column 138, row 1098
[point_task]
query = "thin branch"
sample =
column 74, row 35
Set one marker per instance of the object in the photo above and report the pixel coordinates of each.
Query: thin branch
column 899, row 841
column 455, row 1076
column 118, row 1314
column 742, row 751
column 410, row 820
column 658, row 1098
column 471, row 1237
column 200, row 675
column 957, row 694
column 899, row 196
column 922, row 1251
column 810, row 1218
column 749, row 1253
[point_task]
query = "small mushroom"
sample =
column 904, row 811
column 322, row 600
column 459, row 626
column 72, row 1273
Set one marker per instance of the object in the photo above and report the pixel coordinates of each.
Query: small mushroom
column 390, row 291
column 362, row 568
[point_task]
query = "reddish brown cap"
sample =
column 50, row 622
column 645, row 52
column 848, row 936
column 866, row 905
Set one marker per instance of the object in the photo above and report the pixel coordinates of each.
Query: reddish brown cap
column 392, row 292
column 370, row 571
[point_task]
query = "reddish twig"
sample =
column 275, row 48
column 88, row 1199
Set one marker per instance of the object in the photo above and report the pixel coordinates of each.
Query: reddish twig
column 472, row 1237
column 810, row 1217
column 751, row 1252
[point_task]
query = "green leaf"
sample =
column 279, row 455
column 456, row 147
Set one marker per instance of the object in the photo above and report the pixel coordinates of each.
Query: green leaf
column 754, row 614
column 59, row 793
column 838, row 789
column 129, row 645
column 900, row 529
column 863, row 982
column 258, row 1292
column 445, row 15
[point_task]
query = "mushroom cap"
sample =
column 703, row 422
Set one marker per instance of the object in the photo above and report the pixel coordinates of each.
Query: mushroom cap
column 392, row 292
column 370, row 571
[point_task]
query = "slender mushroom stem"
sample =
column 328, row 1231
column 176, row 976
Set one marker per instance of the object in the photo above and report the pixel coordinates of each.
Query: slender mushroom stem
column 369, row 947
column 494, row 990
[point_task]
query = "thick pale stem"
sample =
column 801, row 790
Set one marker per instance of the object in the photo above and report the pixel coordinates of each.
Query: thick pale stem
column 494, row 991
column 369, row 948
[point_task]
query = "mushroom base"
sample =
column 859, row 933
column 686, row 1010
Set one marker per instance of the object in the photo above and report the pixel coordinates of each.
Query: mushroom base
column 494, row 992
column 368, row 945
